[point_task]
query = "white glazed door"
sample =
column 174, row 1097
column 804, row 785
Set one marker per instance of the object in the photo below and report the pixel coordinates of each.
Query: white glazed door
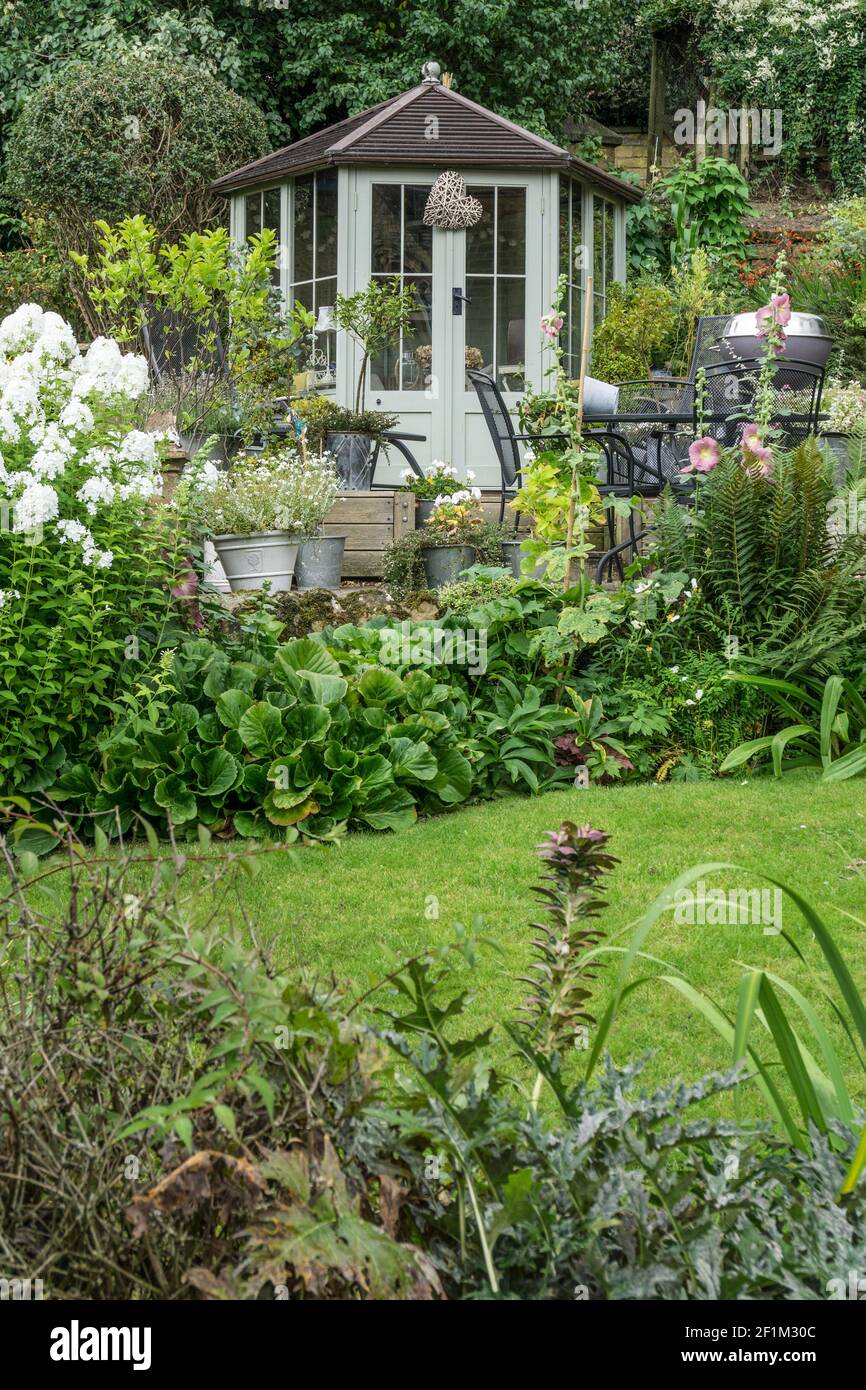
column 480, row 300
column 495, row 322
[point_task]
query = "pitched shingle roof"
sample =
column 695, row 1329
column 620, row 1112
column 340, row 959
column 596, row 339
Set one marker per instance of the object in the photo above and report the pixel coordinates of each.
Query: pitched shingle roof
column 429, row 125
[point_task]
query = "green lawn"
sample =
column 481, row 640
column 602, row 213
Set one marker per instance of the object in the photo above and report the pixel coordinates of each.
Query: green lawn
column 353, row 910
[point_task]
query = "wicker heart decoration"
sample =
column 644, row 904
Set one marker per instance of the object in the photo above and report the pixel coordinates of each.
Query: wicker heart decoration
column 449, row 206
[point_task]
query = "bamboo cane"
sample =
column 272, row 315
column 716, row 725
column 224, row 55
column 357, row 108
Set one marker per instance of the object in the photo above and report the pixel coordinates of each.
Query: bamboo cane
column 577, row 429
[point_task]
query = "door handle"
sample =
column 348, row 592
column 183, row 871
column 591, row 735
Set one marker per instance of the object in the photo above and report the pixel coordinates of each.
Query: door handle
column 458, row 299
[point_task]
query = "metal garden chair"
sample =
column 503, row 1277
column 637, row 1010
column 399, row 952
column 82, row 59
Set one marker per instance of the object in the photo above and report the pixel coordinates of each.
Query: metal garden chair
column 506, row 441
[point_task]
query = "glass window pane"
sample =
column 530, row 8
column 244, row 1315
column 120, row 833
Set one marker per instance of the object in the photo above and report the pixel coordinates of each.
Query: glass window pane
column 303, row 293
column 510, row 334
column 564, row 228
column 608, row 244
column 326, row 224
column 253, row 209
column 417, row 354
column 479, row 239
column 386, row 229
column 273, row 200
column 598, row 244
column 417, row 239
column 303, row 229
column 511, row 231
column 479, row 325
column 383, row 372
column 578, row 250
column 326, row 343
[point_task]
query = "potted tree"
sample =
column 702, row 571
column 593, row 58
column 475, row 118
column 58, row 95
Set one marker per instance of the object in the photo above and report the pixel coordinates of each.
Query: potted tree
column 256, row 513
column 375, row 318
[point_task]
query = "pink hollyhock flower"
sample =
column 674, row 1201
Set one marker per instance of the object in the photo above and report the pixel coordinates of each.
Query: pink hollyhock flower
column 761, row 317
column 755, row 452
column 778, row 311
column 551, row 324
column 704, row 454
column 750, row 438
column 781, row 304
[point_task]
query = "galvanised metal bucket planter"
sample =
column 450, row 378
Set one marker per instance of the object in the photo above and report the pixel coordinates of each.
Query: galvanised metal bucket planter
column 443, row 563
column 513, row 556
column 838, row 446
column 249, row 561
column 320, row 562
column 423, row 511
column 222, row 449
column 353, row 459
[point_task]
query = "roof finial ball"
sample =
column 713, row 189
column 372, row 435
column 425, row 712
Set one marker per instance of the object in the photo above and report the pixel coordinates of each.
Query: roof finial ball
column 431, row 72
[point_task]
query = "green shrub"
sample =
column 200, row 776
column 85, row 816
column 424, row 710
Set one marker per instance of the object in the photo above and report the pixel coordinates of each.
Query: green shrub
column 635, row 333
column 112, row 138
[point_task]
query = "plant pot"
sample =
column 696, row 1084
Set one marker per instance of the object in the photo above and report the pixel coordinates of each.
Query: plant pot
column 353, row 459
column 838, row 446
column 423, row 511
column 600, row 398
column 443, row 563
column 213, row 571
column 514, row 556
column 320, row 562
column 249, row 561
column 222, row 449
column 513, row 553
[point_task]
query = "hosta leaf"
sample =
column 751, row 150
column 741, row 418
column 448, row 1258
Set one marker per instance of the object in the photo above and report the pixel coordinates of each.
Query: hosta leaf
column 378, row 687
column 176, row 799
column 261, row 729
column 217, row 771
column 392, row 808
column 326, row 690
column 185, row 717
column 307, row 724
column 413, row 760
column 454, row 780
column 305, row 654
column 337, row 757
column 231, row 706
column 209, row 729
column 277, row 815
column 374, row 771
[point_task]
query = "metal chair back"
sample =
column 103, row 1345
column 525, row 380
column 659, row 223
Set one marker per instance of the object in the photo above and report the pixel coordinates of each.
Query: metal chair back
column 500, row 425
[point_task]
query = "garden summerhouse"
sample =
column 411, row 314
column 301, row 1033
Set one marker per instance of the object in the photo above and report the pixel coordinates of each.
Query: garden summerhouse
column 348, row 204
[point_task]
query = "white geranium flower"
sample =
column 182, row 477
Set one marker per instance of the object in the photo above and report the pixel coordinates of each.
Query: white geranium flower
column 139, row 446
column 37, row 504
column 74, row 532
column 95, row 492
column 77, row 417
column 104, row 371
column 54, row 452
column 20, row 329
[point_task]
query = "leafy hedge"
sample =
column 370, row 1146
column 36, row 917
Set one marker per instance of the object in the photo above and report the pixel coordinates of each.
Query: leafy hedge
column 316, row 736
column 109, row 138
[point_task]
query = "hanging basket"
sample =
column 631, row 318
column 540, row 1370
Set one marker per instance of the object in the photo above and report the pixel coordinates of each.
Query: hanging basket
column 449, row 206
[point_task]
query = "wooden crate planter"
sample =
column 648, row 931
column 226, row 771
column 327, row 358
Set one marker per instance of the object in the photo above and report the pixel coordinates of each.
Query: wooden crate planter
column 369, row 521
